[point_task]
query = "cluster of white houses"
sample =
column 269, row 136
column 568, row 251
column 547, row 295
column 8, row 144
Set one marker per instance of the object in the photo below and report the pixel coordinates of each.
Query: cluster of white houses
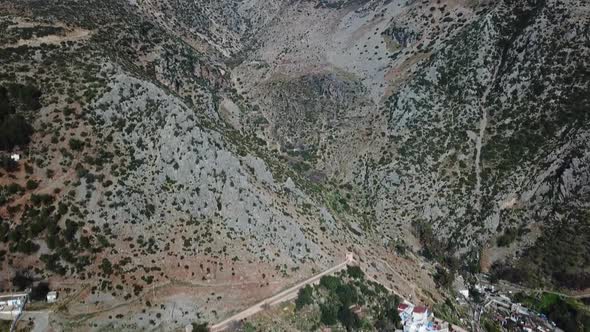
column 418, row 319
column 12, row 305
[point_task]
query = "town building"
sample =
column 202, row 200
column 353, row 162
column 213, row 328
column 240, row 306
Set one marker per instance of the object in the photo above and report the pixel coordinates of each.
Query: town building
column 12, row 305
column 51, row 297
column 418, row 319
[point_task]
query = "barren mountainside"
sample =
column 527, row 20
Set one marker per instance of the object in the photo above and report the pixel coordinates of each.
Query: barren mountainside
column 180, row 160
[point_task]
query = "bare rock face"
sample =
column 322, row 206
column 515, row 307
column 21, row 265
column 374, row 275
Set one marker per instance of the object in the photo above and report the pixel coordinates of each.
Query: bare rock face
column 454, row 114
column 180, row 170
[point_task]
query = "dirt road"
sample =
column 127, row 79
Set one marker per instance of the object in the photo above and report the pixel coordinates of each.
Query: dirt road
column 291, row 293
column 283, row 296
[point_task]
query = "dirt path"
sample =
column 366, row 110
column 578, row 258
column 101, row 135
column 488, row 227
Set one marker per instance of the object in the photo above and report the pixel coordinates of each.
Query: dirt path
column 283, row 296
column 71, row 34
column 483, row 123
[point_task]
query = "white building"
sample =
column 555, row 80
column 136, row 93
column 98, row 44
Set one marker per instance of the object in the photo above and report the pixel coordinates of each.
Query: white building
column 12, row 304
column 405, row 311
column 465, row 293
column 15, row 156
column 51, row 297
column 418, row 319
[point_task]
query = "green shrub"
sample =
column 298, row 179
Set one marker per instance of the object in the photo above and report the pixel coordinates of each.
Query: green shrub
column 200, row 327
column 39, row 292
column 355, row 272
column 106, row 266
column 444, row 278
column 331, row 283
column 568, row 314
column 76, row 144
column 14, row 130
column 45, row 199
column 304, row 297
column 329, row 313
column 26, row 247
column 507, row 238
column 348, row 319
column 8, row 164
column 32, row 184
column 22, row 280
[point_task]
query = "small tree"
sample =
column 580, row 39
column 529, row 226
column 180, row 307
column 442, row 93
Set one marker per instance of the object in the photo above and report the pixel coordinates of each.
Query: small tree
column 200, row 327
column 8, row 164
column 329, row 313
column 22, row 280
column 40, row 291
column 347, row 295
column 388, row 318
column 76, row 144
column 304, row 297
column 349, row 319
column 444, row 278
column 330, row 282
column 32, row 184
column 355, row 272
column 106, row 266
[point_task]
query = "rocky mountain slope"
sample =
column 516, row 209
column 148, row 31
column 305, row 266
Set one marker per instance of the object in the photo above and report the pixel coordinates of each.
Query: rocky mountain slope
column 193, row 157
column 465, row 116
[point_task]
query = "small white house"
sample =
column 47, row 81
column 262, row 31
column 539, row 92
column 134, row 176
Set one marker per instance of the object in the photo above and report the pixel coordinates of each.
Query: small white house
column 51, row 297
column 15, row 156
column 465, row 293
column 420, row 314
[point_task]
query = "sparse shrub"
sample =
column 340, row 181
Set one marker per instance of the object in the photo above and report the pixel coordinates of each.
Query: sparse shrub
column 106, row 266
column 32, row 184
column 76, row 144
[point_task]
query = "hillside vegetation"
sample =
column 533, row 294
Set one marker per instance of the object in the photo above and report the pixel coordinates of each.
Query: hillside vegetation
column 198, row 156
